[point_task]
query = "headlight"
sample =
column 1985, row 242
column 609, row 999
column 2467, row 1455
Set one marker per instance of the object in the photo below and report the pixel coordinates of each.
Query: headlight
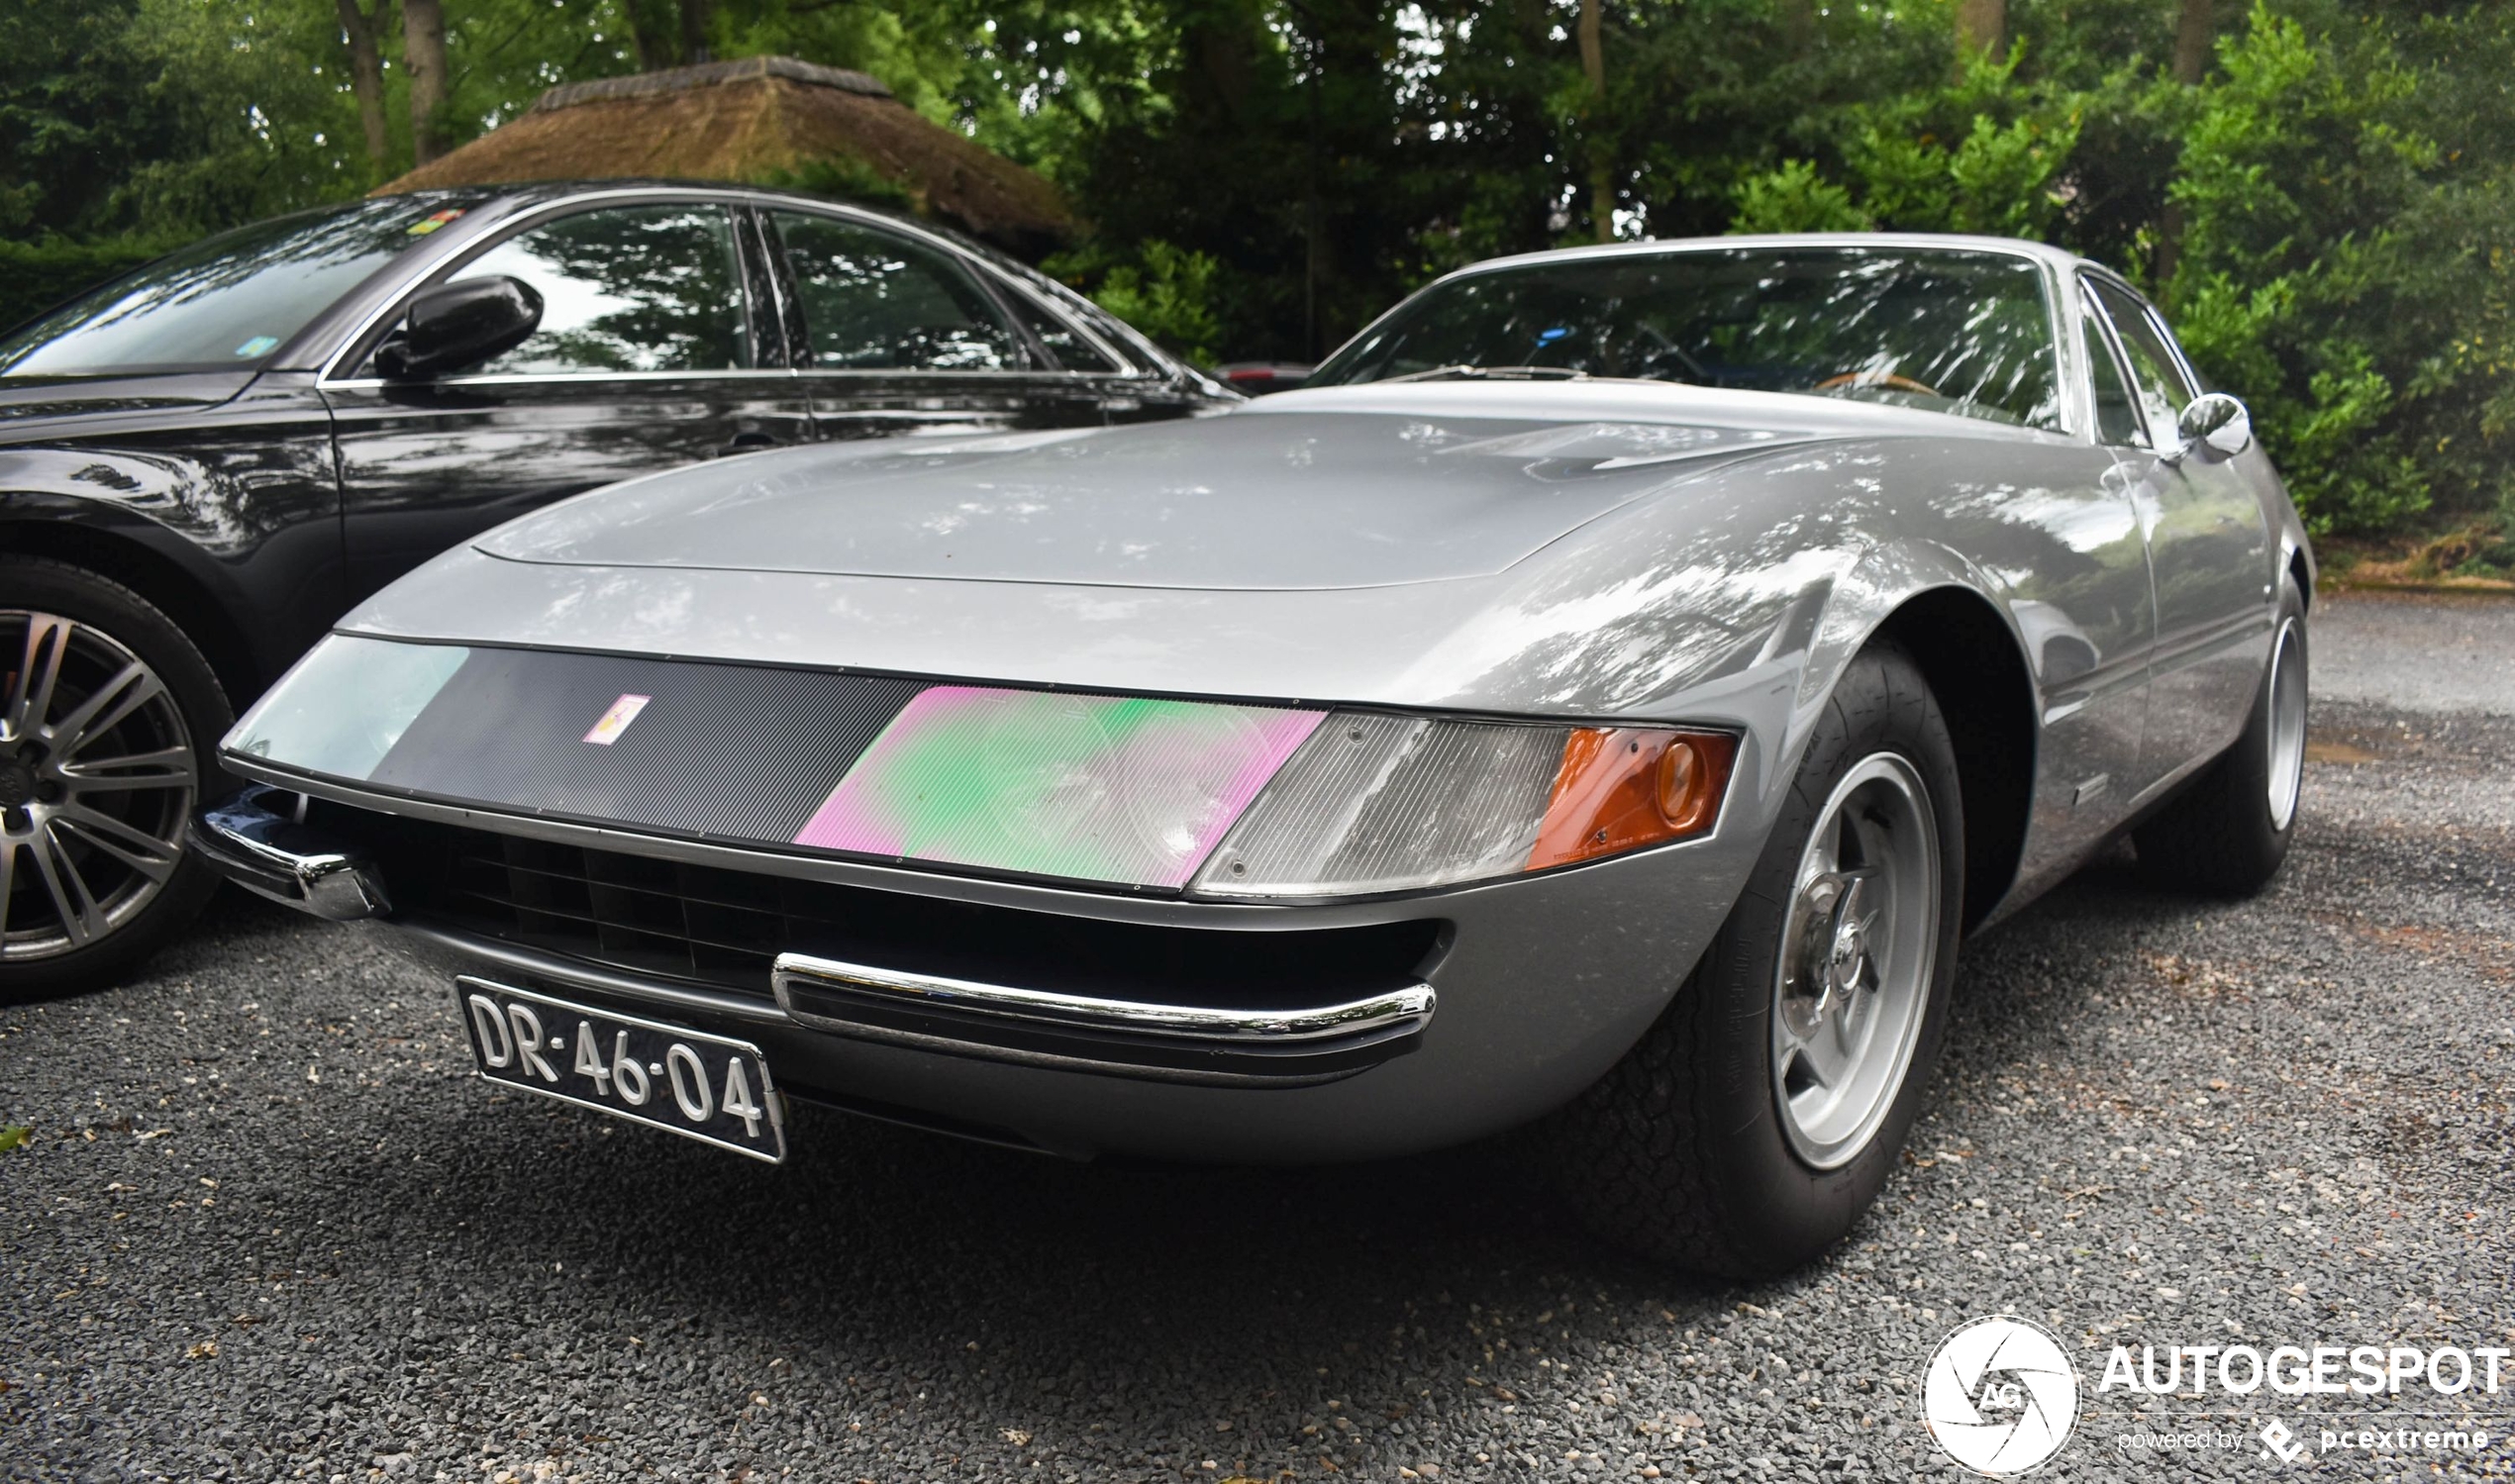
column 1378, row 802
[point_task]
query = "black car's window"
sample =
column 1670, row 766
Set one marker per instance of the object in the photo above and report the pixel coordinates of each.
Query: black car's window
column 2116, row 416
column 227, row 303
column 1948, row 330
column 626, row 288
column 1064, row 340
column 2162, row 391
column 873, row 301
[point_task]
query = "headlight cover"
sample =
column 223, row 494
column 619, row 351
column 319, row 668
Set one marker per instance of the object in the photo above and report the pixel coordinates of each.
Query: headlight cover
column 1375, row 803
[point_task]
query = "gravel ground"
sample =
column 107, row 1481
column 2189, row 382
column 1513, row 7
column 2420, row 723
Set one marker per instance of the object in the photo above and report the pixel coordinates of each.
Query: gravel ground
column 267, row 1227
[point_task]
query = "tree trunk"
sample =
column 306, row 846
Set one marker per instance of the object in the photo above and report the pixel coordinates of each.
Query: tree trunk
column 1602, row 167
column 424, row 54
column 694, row 44
column 1798, row 23
column 2193, row 33
column 1981, row 30
column 655, row 42
column 2194, row 30
column 367, row 75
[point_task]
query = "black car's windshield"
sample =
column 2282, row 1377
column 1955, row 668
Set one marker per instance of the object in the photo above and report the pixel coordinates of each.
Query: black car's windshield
column 225, row 303
column 1943, row 328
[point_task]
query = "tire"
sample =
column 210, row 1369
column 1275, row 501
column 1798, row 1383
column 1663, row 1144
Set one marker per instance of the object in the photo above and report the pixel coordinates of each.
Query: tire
column 2227, row 833
column 93, row 876
column 1689, row 1151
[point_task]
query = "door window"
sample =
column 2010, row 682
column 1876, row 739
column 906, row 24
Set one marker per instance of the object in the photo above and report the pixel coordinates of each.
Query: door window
column 1063, row 340
column 2116, row 416
column 628, row 288
column 876, row 302
column 2156, row 380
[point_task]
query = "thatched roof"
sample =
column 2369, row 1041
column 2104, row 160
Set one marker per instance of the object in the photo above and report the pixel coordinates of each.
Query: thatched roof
column 753, row 121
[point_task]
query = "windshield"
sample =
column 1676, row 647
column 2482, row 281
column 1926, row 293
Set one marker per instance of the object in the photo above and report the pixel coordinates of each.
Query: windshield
column 225, row 303
column 1946, row 330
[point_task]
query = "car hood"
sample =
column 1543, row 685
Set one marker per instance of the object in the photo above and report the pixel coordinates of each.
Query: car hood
column 1341, row 488
column 26, row 399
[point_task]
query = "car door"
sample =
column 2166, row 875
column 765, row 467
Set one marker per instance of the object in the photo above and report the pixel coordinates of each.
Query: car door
column 898, row 334
column 655, row 349
column 2069, row 530
column 2209, row 553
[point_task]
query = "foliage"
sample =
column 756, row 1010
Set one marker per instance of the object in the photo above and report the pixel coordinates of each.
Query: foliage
column 1165, row 291
column 2341, row 268
column 2325, row 215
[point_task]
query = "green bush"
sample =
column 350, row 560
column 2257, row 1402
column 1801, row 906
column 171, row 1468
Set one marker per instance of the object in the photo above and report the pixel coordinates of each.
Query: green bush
column 1165, row 291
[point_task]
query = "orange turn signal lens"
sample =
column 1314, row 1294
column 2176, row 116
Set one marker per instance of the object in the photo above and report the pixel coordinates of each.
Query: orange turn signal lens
column 1620, row 788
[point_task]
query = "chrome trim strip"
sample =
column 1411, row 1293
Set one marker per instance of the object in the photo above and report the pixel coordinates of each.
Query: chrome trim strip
column 1402, row 1010
column 272, row 854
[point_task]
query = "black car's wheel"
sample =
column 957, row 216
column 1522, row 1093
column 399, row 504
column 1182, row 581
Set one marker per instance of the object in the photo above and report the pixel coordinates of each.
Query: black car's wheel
column 2228, row 832
column 108, row 718
column 1758, row 1118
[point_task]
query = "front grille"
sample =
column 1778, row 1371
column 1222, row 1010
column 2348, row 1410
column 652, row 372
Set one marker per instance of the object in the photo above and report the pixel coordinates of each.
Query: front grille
column 723, row 929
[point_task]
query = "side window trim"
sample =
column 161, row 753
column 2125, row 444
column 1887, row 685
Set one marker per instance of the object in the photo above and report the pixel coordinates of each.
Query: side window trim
column 2095, row 318
column 354, row 364
column 763, row 298
column 799, row 327
column 1009, row 288
column 2189, row 383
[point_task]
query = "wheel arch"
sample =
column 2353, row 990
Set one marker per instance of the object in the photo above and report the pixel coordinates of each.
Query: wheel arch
column 178, row 594
column 1977, row 671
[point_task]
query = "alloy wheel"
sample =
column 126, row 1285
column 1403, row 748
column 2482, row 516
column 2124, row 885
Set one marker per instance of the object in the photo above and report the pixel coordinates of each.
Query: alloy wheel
column 97, row 777
column 1858, row 955
column 2287, row 724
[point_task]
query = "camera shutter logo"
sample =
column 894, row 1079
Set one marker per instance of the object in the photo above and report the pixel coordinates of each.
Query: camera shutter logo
column 2000, row 1396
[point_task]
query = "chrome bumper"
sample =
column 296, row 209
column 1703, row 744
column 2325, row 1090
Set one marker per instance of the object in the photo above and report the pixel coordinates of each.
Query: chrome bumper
column 259, row 843
column 1126, row 1038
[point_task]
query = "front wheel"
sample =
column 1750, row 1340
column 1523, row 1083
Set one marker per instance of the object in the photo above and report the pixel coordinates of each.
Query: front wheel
column 108, row 715
column 1755, row 1123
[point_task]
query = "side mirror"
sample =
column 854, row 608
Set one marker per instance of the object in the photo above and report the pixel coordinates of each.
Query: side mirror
column 455, row 325
column 2215, row 425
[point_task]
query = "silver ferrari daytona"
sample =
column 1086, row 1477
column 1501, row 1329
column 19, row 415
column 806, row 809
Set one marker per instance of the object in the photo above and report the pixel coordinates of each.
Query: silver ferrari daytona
column 1601, row 700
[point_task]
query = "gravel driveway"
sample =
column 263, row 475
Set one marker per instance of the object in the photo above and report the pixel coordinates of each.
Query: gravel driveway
column 267, row 1226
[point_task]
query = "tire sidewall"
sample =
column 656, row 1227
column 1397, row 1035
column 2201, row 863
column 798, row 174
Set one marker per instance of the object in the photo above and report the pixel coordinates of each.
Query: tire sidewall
column 1787, row 1209
column 46, row 586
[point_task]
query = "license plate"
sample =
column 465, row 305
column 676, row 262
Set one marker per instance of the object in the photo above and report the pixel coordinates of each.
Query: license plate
column 705, row 1087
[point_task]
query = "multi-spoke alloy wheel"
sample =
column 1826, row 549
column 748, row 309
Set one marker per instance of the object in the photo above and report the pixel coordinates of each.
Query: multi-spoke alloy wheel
column 97, row 776
column 1858, row 955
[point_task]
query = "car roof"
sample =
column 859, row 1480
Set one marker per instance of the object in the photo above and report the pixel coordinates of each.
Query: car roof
column 2058, row 259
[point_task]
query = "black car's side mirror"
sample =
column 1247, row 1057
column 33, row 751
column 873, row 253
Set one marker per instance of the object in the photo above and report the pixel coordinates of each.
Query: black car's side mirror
column 455, row 325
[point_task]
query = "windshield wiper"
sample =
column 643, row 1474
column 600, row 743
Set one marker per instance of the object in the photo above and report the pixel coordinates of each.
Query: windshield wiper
column 1467, row 373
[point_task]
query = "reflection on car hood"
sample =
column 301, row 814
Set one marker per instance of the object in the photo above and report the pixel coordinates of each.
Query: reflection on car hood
column 24, row 399
column 1321, row 490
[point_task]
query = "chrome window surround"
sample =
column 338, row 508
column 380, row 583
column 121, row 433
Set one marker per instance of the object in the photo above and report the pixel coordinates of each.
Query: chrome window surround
column 2077, row 391
column 334, row 374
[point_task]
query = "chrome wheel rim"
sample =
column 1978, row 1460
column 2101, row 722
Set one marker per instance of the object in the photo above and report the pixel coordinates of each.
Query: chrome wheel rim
column 1858, row 951
column 2287, row 724
column 96, row 780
